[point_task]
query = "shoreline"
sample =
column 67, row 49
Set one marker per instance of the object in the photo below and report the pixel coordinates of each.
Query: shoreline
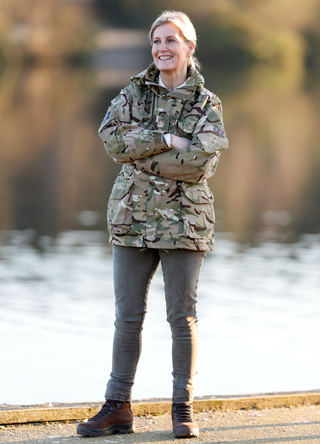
column 53, row 412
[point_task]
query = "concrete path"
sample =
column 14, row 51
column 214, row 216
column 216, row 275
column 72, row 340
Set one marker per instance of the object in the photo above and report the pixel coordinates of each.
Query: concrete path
column 270, row 419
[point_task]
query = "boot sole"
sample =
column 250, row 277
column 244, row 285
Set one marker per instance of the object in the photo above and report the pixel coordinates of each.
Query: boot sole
column 185, row 432
column 113, row 429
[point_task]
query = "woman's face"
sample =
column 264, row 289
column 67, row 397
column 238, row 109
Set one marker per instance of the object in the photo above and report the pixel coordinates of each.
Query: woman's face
column 170, row 51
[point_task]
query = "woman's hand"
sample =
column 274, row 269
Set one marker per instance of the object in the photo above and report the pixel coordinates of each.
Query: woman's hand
column 179, row 142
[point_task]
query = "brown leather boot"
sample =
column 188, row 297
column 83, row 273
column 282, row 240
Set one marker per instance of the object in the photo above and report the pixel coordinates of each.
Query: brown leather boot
column 182, row 421
column 114, row 417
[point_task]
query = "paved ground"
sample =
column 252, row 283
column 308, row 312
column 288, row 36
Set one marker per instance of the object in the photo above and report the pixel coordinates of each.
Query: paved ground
column 267, row 426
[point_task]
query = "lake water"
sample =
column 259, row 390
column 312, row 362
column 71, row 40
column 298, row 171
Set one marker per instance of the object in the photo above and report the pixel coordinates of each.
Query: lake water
column 258, row 309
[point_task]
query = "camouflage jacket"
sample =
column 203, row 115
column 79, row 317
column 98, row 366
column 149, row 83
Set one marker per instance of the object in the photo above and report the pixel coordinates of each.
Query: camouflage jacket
column 160, row 198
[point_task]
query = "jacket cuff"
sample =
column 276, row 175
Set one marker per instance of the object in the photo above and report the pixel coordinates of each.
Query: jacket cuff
column 158, row 139
column 167, row 139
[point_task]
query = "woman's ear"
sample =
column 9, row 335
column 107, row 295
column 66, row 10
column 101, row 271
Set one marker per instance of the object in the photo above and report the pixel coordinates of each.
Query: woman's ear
column 191, row 48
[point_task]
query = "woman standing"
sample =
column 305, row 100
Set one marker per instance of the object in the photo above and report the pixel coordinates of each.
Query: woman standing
column 167, row 131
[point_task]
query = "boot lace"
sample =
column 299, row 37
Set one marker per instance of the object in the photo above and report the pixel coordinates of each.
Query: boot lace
column 183, row 412
column 107, row 409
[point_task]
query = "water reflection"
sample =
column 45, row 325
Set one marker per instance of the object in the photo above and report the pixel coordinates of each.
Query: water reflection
column 258, row 308
column 54, row 168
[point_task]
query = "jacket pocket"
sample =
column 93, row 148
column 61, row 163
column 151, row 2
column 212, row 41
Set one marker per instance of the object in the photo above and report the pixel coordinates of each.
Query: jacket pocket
column 119, row 213
column 197, row 211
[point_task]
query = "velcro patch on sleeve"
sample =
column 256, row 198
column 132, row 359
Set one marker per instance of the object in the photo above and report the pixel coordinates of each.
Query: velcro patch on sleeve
column 218, row 131
column 111, row 115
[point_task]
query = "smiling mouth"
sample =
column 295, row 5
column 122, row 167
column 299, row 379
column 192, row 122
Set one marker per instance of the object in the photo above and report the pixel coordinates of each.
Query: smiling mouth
column 165, row 57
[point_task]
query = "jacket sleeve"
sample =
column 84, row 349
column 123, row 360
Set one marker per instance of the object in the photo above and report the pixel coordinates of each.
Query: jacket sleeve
column 124, row 140
column 198, row 161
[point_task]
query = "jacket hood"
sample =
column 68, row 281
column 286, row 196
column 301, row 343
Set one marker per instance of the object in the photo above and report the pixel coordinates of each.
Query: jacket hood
column 150, row 76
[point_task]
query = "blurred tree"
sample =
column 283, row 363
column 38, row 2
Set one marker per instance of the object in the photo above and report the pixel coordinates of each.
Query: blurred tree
column 45, row 31
column 236, row 34
column 255, row 55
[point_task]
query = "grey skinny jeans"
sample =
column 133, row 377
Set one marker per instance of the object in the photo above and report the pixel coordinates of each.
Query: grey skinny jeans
column 133, row 271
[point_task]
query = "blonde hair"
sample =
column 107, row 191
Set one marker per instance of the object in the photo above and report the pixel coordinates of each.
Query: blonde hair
column 185, row 26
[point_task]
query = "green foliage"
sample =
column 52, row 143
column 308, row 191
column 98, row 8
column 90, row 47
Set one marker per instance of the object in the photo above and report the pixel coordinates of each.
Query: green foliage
column 312, row 38
column 235, row 35
column 2, row 62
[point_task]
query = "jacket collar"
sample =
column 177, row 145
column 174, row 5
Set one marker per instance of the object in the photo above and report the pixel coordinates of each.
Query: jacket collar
column 150, row 77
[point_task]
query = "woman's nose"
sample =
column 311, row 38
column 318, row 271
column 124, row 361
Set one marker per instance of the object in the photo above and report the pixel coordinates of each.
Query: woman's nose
column 163, row 46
